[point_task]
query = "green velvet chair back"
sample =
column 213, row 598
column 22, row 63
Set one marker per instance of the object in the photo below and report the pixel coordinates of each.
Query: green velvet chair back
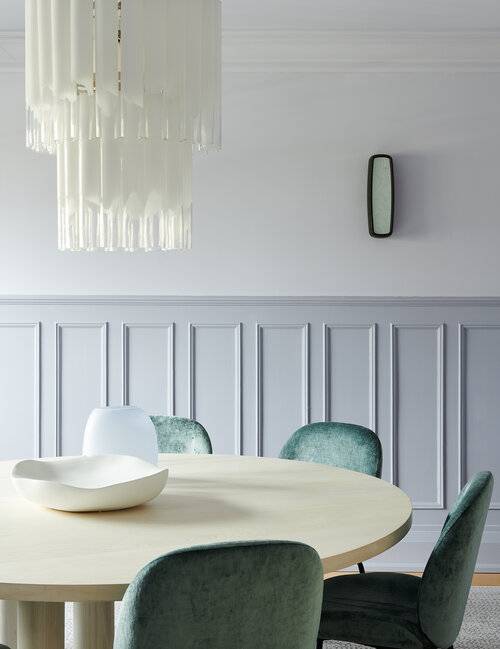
column 180, row 435
column 264, row 595
column 346, row 446
column 447, row 578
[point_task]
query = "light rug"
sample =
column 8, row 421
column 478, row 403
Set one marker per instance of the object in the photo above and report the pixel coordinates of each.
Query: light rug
column 480, row 630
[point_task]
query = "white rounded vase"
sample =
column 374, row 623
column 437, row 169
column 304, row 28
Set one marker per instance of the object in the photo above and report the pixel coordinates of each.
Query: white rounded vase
column 121, row 430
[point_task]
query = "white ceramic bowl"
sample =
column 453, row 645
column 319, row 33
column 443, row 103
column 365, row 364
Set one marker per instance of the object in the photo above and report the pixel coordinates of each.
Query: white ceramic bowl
column 84, row 484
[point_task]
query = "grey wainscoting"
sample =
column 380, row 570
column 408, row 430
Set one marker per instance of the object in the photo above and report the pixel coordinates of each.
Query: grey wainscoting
column 423, row 372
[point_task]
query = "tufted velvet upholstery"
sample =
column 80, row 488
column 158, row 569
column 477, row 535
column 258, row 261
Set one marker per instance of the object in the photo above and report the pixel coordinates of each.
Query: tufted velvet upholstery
column 347, row 446
column 180, row 435
column 379, row 609
column 226, row 596
column 448, row 574
column 397, row 611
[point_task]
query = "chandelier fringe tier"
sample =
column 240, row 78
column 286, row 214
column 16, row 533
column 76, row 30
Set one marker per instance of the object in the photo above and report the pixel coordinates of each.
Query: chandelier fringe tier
column 122, row 92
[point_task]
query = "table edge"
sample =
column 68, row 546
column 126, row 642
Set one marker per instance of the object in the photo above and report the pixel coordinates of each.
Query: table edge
column 106, row 592
column 115, row 592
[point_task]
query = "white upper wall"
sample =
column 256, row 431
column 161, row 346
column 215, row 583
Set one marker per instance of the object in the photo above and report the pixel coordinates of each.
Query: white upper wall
column 282, row 210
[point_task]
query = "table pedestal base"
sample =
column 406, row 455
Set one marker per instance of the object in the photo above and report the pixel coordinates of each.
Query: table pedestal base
column 8, row 623
column 40, row 625
column 93, row 625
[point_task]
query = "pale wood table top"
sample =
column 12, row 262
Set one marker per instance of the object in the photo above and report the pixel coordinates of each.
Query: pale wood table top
column 55, row 556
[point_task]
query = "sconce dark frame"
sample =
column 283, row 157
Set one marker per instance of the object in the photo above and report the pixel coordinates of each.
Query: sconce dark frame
column 369, row 193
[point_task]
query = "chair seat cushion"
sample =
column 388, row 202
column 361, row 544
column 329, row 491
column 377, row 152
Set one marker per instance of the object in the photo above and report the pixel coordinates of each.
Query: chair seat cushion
column 377, row 609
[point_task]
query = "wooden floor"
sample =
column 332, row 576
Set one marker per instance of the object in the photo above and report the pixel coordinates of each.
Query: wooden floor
column 486, row 579
column 480, row 578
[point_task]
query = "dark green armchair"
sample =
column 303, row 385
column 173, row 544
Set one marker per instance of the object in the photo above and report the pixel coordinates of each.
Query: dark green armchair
column 181, row 435
column 396, row 611
column 347, row 446
column 264, row 595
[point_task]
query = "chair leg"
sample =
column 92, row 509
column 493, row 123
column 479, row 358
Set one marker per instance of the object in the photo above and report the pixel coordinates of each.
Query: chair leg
column 361, row 569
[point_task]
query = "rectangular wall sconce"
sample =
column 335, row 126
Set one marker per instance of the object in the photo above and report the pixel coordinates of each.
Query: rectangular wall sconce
column 380, row 195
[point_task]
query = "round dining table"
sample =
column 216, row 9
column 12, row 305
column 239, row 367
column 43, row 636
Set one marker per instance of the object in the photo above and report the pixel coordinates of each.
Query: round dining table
column 50, row 557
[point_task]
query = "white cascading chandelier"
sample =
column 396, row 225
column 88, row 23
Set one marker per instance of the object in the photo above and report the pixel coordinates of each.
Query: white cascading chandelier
column 122, row 92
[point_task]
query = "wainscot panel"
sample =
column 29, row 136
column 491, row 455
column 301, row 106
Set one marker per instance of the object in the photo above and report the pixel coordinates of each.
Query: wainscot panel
column 424, row 373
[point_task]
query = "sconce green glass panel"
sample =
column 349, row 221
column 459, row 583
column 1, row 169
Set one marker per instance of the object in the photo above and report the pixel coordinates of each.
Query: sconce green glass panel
column 380, row 196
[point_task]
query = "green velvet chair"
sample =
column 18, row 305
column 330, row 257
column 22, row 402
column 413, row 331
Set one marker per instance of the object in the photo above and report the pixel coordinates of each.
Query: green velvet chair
column 347, row 446
column 249, row 595
column 396, row 611
column 180, row 435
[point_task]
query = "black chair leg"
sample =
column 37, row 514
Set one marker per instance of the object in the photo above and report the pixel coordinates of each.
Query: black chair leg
column 361, row 569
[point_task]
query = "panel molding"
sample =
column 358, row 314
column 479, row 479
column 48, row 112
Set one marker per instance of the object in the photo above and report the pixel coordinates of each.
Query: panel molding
column 280, row 353
column 372, row 363
column 249, row 301
column 238, row 379
column 332, row 51
column 59, row 328
column 439, row 503
column 430, row 532
column 37, row 371
column 169, row 327
column 462, row 400
column 259, row 330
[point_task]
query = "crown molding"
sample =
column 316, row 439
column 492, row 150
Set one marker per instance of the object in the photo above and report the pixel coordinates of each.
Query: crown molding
column 333, row 51
column 344, row 51
column 11, row 51
column 245, row 301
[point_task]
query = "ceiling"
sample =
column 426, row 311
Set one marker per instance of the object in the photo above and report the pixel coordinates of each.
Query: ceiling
column 361, row 15
column 357, row 15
